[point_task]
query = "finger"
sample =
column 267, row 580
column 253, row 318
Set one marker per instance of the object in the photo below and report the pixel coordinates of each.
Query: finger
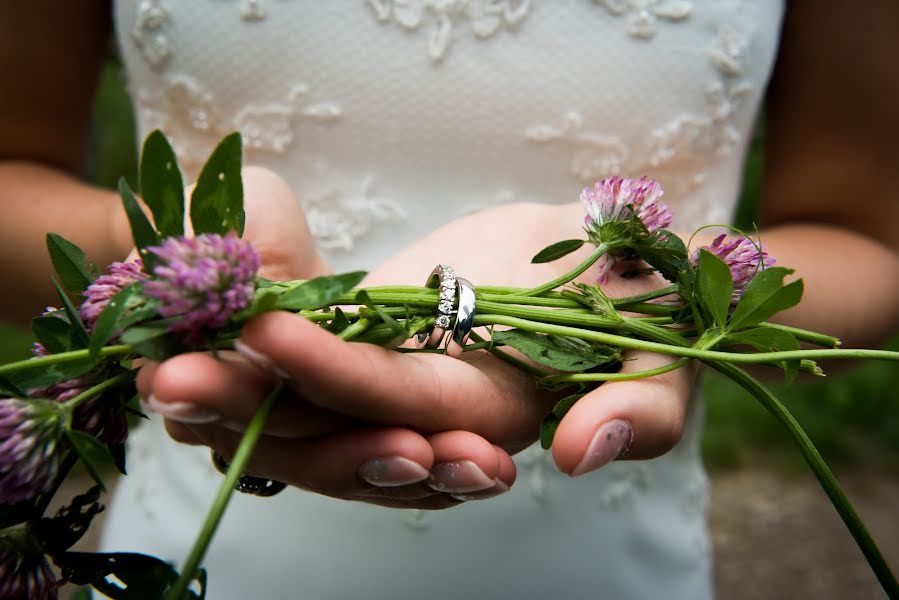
column 198, row 388
column 340, row 465
column 639, row 418
column 466, row 463
column 427, row 391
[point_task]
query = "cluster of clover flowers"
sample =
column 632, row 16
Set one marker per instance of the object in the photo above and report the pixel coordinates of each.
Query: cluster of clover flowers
column 70, row 402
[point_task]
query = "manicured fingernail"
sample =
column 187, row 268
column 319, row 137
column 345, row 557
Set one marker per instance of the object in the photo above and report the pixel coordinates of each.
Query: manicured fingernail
column 392, row 471
column 499, row 488
column 183, row 412
column 459, row 477
column 260, row 360
column 608, row 443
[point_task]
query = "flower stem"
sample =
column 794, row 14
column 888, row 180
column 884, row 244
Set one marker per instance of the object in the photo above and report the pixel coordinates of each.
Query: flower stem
column 99, row 389
column 819, row 339
column 512, row 360
column 579, row 377
column 62, row 357
column 214, row 517
column 677, row 350
column 562, row 280
column 824, row 475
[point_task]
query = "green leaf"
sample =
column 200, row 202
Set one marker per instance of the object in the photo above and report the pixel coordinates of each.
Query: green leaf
column 40, row 376
column 79, row 332
column 338, row 323
column 265, row 300
column 152, row 341
column 161, row 186
column 399, row 332
column 667, row 254
column 70, row 263
column 765, row 296
column 53, row 333
column 562, row 354
column 107, row 323
column 765, row 339
column 551, row 421
column 71, row 522
column 319, row 292
column 557, row 251
column 216, row 205
column 144, row 577
column 93, row 454
column 141, row 229
column 715, row 285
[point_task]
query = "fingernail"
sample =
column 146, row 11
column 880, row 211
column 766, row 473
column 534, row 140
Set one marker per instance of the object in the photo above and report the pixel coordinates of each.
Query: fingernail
column 392, row 471
column 459, row 477
column 499, row 488
column 183, row 412
column 607, row 445
column 259, row 359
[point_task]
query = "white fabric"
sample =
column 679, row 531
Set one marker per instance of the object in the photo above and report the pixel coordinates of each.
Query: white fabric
column 388, row 118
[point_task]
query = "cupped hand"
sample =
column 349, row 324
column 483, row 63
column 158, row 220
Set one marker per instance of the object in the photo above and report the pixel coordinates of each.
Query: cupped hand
column 352, row 454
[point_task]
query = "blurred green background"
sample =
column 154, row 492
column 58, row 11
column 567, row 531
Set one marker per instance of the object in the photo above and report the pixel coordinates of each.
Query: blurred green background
column 852, row 417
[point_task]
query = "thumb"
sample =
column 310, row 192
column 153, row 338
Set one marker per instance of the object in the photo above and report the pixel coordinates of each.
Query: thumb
column 278, row 229
column 642, row 418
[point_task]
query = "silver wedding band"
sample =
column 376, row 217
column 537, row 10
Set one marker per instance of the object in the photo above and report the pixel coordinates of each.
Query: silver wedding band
column 455, row 346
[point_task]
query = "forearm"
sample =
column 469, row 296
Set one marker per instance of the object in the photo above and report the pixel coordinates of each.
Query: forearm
column 851, row 281
column 37, row 199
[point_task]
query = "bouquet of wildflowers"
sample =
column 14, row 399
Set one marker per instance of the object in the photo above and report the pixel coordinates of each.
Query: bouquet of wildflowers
column 70, row 403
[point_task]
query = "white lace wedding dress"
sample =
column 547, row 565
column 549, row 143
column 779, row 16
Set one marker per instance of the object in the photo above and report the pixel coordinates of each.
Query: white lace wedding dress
column 389, row 118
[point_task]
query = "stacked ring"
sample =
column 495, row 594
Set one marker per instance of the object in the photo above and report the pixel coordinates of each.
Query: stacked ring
column 455, row 345
column 444, row 278
column 248, row 484
column 455, row 312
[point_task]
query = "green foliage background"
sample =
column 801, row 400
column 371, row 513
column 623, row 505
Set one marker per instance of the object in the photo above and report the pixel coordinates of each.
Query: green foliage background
column 852, row 417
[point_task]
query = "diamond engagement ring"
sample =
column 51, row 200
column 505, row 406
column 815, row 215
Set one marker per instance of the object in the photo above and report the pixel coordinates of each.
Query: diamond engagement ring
column 248, row 484
column 444, row 278
column 455, row 312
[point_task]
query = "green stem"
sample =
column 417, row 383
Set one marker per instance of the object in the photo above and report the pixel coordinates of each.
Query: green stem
column 676, row 350
column 99, row 389
column 214, row 517
column 512, row 360
column 819, row 339
column 62, row 357
column 562, row 280
column 824, row 475
column 809, row 452
column 579, row 377
column 355, row 329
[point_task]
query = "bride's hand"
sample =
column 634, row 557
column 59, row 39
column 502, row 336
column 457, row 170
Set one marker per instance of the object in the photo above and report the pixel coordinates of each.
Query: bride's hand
column 349, row 455
column 435, row 393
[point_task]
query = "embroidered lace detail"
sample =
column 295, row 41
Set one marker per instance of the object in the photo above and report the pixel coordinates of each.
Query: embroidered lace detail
column 187, row 112
column 623, row 480
column 643, row 15
column 415, row 519
column 337, row 219
column 149, row 34
column 440, row 17
column 252, row 10
column 679, row 152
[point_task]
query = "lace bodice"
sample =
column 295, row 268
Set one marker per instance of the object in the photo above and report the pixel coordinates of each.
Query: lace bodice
column 391, row 117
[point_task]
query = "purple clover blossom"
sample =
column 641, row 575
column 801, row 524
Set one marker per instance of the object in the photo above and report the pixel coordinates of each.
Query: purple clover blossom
column 31, row 432
column 98, row 294
column 99, row 416
column 204, row 280
column 614, row 198
column 25, row 575
column 742, row 257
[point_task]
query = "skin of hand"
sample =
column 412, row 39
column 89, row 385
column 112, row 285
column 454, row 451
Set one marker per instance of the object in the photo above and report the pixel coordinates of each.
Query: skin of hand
column 821, row 150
